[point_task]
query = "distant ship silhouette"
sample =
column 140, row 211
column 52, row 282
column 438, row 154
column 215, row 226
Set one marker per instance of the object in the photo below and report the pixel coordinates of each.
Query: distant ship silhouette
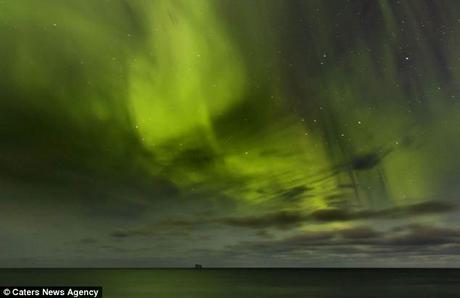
column 198, row 266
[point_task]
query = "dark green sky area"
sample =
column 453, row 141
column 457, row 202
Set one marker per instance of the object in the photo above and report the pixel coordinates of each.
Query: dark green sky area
column 229, row 133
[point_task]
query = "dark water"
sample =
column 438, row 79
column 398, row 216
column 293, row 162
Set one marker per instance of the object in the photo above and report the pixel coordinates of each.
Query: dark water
column 238, row 283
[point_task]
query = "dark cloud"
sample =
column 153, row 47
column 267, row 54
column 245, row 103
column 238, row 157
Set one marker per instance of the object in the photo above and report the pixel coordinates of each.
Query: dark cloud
column 327, row 215
column 173, row 228
column 408, row 240
column 358, row 162
column 295, row 193
column 285, row 220
column 426, row 236
column 264, row 234
column 124, row 234
column 282, row 220
column 88, row 241
column 367, row 161
column 361, row 232
column 430, row 208
column 307, row 241
column 423, row 208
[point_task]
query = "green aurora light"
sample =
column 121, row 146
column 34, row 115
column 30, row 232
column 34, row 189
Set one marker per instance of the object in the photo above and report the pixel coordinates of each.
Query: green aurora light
column 255, row 106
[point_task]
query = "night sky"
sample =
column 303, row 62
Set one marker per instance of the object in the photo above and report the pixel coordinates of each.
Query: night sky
column 229, row 133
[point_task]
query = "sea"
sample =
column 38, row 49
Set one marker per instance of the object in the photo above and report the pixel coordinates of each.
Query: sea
column 239, row 283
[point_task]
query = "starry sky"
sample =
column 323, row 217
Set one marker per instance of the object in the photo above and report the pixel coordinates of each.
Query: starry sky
column 165, row 133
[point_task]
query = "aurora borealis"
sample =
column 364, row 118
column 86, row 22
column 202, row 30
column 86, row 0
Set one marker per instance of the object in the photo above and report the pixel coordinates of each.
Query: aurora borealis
column 229, row 133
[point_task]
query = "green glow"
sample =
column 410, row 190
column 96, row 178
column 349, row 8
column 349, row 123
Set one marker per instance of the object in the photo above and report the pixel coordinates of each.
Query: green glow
column 212, row 99
column 190, row 74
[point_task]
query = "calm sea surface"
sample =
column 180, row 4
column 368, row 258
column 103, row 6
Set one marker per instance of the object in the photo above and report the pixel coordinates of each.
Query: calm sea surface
column 238, row 283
